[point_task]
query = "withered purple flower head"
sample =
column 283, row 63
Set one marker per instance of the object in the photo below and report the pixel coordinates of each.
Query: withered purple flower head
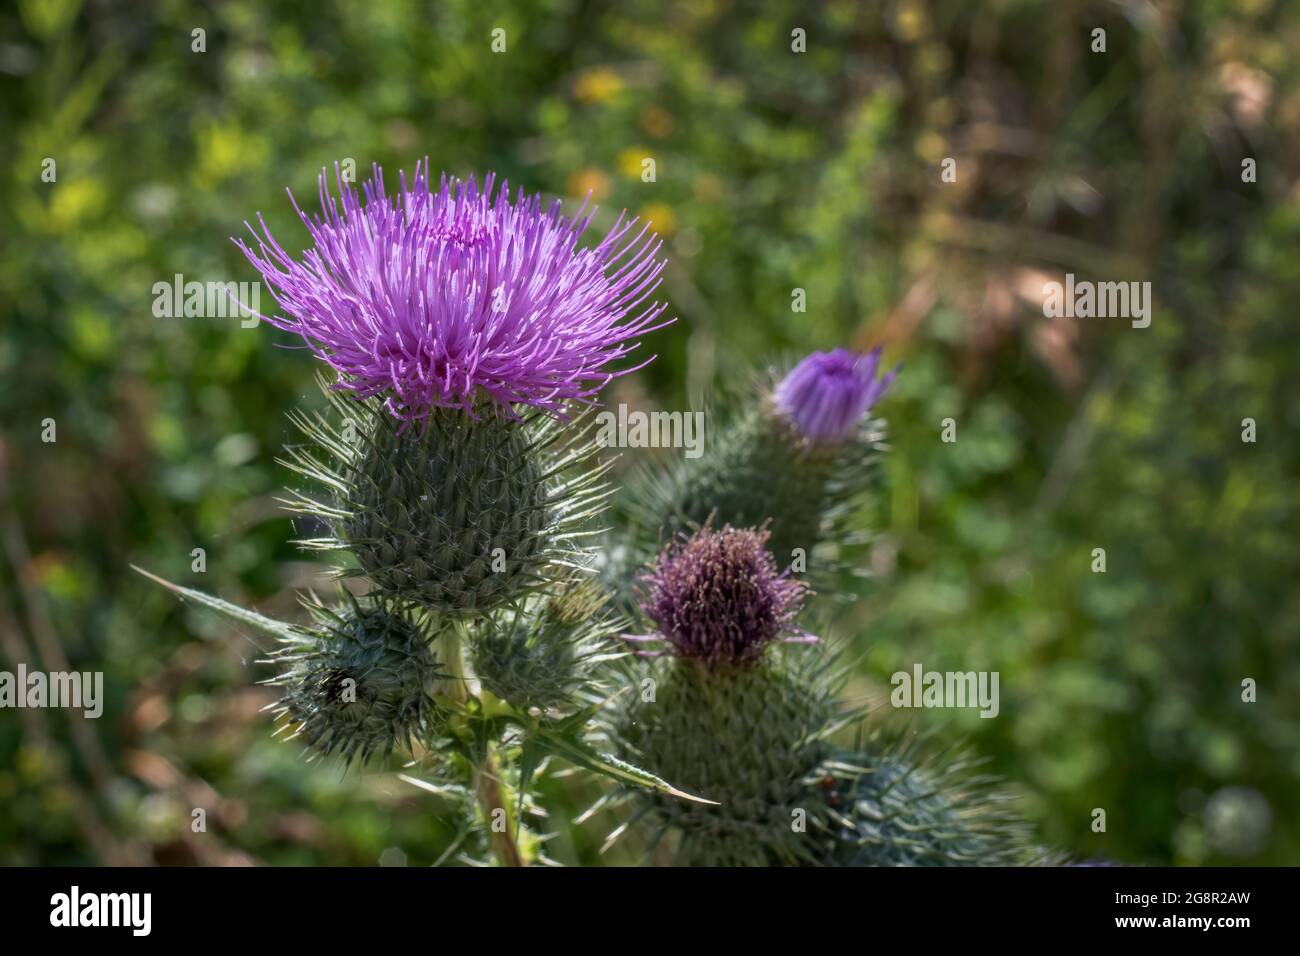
column 826, row 395
column 717, row 596
column 440, row 298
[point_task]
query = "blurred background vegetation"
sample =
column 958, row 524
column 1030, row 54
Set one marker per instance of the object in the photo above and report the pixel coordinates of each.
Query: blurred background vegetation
column 775, row 170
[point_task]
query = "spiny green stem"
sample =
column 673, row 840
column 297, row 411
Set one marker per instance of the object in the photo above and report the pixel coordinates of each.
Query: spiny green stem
column 488, row 790
column 491, row 797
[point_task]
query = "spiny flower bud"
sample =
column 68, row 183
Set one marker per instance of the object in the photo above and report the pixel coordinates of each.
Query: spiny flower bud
column 828, row 393
column 542, row 656
column 718, row 597
column 897, row 805
column 460, row 514
column 358, row 682
column 743, row 725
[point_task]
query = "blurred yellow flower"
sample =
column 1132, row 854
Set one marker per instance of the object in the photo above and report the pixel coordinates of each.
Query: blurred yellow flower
column 597, row 85
column 910, row 21
column 594, row 181
column 662, row 217
column 630, row 160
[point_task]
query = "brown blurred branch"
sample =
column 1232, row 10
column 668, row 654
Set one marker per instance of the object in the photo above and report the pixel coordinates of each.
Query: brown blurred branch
column 37, row 733
column 41, row 628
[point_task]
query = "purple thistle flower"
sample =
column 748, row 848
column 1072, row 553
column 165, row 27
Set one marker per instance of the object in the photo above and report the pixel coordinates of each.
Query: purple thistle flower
column 437, row 298
column 717, row 596
column 826, row 395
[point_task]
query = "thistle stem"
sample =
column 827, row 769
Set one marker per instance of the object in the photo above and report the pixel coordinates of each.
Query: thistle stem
column 488, row 790
column 455, row 663
column 491, row 797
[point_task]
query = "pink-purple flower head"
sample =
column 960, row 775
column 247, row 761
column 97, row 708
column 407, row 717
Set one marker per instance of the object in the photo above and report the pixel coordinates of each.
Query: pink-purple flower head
column 717, row 596
column 828, row 393
column 440, row 298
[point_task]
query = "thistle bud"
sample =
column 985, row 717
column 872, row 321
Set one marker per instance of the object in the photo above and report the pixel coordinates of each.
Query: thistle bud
column 903, row 807
column 358, row 681
column 745, row 737
column 828, row 393
column 731, row 716
column 542, row 656
column 717, row 596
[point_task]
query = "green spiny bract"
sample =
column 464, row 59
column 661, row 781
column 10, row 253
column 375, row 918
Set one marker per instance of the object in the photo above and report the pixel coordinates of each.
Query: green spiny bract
column 760, row 469
column 542, row 656
column 359, row 680
column 893, row 804
column 745, row 736
column 459, row 514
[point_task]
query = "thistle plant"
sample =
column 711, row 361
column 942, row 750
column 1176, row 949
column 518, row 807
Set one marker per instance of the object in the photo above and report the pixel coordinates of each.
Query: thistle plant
column 466, row 336
column 746, row 705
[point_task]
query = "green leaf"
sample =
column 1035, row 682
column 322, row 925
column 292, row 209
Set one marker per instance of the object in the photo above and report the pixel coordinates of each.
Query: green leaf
column 232, row 611
column 530, row 758
column 568, row 744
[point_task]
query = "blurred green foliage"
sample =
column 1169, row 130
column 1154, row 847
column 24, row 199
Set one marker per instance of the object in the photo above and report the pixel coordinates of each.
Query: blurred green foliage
column 775, row 170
